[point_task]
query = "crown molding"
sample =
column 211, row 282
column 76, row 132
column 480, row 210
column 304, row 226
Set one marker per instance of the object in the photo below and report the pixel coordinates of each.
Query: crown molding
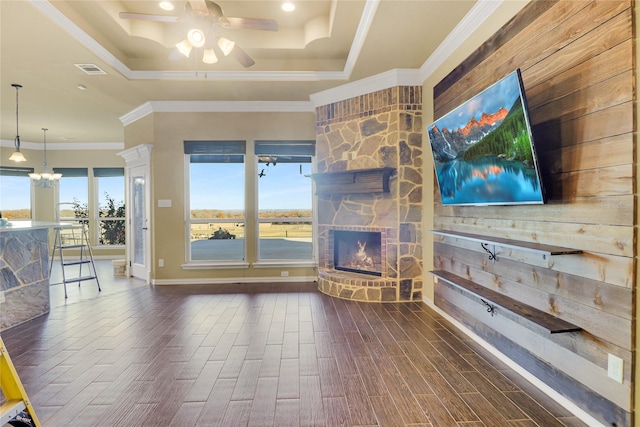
column 64, row 146
column 254, row 76
column 232, row 106
column 369, row 12
column 391, row 78
column 138, row 155
column 87, row 41
column 479, row 13
column 136, row 114
column 77, row 33
column 216, row 107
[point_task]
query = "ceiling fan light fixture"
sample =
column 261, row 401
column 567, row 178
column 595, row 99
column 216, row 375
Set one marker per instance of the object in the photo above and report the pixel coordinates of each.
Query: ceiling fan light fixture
column 209, row 56
column 196, row 37
column 226, row 45
column 184, row 47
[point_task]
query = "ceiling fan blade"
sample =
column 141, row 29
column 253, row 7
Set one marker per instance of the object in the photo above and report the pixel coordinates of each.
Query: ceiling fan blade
column 249, row 24
column 145, row 17
column 199, row 6
column 241, row 56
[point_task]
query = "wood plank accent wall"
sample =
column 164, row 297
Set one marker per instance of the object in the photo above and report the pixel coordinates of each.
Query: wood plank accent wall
column 577, row 63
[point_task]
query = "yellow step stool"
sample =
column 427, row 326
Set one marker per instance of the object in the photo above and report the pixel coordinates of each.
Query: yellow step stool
column 17, row 409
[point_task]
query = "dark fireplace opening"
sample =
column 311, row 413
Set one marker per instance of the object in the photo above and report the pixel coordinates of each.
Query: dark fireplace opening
column 358, row 251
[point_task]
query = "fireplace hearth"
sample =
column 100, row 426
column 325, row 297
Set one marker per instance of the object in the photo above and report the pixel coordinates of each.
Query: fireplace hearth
column 358, row 252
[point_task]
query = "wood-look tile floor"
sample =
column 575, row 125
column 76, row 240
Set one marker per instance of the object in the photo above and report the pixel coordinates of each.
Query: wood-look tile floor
column 260, row 355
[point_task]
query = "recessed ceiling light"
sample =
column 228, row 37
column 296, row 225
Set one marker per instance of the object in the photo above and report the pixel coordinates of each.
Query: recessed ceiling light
column 288, row 7
column 166, row 5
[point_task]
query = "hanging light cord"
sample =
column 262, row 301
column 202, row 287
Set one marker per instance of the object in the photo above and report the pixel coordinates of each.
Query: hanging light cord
column 45, row 165
column 16, row 141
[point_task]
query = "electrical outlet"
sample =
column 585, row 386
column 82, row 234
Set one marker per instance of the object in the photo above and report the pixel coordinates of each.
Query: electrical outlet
column 284, row 273
column 160, row 262
column 615, row 368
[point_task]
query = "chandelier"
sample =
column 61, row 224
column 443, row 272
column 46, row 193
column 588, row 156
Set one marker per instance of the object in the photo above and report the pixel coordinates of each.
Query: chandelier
column 45, row 179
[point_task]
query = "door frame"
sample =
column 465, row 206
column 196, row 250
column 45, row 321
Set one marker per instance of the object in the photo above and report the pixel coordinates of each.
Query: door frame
column 138, row 157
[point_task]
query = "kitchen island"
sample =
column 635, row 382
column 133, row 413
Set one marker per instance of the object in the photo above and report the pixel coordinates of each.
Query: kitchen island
column 24, row 271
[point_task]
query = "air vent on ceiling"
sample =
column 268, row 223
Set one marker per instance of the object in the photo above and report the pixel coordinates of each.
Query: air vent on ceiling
column 91, row 69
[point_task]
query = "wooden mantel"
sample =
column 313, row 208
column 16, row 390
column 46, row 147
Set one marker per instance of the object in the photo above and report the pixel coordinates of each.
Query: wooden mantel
column 353, row 181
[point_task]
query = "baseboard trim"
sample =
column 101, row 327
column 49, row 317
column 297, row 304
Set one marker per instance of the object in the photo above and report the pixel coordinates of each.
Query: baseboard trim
column 231, row 280
column 557, row 397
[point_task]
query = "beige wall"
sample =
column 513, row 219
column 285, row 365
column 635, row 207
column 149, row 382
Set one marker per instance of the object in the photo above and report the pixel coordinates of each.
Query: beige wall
column 169, row 130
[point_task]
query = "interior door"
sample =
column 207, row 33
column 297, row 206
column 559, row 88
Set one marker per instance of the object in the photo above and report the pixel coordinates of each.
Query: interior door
column 140, row 245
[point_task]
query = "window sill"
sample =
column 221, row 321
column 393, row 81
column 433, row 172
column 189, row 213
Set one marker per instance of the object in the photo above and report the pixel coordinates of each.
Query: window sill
column 215, row 265
column 284, row 263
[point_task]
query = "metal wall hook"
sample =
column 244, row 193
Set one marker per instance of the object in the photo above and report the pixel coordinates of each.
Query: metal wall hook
column 492, row 255
column 490, row 307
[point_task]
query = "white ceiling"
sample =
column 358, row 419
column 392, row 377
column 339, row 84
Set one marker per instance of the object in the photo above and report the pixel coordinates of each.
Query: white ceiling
column 323, row 45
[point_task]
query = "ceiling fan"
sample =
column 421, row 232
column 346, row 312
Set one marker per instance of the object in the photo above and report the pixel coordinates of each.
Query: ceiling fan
column 204, row 17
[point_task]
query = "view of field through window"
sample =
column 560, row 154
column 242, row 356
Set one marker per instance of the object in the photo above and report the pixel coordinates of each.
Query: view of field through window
column 218, row 220
column 15, row 197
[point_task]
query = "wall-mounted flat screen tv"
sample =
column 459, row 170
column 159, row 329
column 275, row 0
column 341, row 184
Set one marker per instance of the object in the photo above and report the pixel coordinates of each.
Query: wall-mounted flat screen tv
column 483, row 150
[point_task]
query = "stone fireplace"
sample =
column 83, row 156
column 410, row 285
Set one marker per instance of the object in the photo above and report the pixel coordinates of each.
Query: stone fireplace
column 369, row 189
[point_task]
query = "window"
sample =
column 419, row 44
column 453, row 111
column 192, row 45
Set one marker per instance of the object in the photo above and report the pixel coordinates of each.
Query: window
column 73, row 198
column 216, row 196
column 285, row 225
column 110, row 211
column 15, row 193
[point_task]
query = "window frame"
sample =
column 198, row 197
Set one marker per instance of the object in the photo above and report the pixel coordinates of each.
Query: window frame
column 296, row 148
column 213, row 148
column 72, row 173
column 105, row 172
column 21, row 172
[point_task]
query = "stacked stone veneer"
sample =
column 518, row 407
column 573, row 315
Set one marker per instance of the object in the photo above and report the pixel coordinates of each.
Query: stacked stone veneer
column 380, row 129
column 24, row 275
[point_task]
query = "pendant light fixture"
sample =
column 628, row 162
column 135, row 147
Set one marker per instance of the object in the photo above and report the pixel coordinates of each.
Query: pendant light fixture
column 45, row 179
column 17, row 156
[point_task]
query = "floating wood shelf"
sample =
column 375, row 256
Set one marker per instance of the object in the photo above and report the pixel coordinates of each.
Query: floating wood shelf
column 545, row 320
column 353, row 181
column 545, row 250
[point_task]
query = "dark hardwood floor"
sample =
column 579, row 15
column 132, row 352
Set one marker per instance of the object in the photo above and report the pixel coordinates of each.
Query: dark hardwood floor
column 260, row 355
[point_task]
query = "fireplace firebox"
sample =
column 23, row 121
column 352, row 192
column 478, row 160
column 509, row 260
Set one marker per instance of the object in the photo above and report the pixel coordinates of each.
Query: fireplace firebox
column 358, row 252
